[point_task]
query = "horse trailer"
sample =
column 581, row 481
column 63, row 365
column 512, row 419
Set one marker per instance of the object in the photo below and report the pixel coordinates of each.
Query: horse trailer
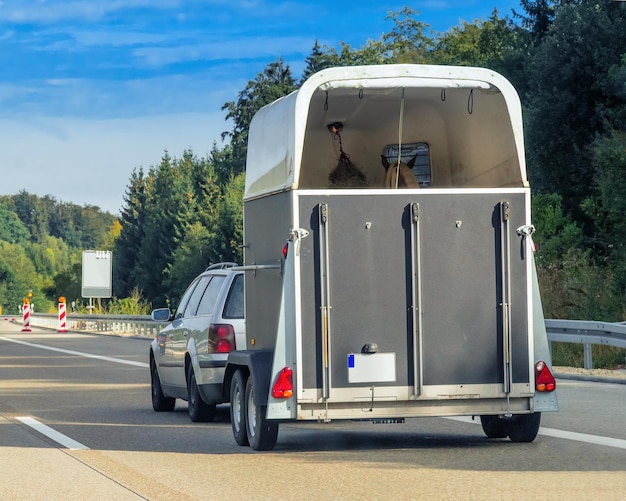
column 370, row 302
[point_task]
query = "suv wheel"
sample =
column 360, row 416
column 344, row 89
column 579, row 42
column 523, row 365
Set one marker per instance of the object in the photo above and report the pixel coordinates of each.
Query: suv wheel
column 199, row 410
column 160, row 402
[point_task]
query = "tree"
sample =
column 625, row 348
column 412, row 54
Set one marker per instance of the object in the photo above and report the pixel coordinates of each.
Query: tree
column 407, row 42
column 12, row 230
column 132, row 222
column 570, row 100
column 274, row 82
column 539, row 17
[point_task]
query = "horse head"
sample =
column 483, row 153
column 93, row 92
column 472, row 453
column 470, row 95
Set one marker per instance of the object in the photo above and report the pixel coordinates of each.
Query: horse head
column 399, row 176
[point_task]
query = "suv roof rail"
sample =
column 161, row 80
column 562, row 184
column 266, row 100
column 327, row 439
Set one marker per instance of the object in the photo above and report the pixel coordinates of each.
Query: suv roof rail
column 221, row 266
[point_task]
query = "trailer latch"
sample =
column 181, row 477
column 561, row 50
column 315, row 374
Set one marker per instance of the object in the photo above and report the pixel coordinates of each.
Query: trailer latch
column 526, row 231
column 295, row 235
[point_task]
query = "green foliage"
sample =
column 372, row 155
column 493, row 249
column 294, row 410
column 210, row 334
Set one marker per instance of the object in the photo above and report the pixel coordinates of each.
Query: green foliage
column 41, row 240
column 407, row 42
column 18, row 276
column 12, row 230
column 571, row 99
column 66, row 283
column 572, row 355
column 134, row 304
column 274, row 82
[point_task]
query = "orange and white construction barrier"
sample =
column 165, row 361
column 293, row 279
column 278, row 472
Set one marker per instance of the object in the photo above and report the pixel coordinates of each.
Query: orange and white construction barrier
column 62, row 315
column 26, row 316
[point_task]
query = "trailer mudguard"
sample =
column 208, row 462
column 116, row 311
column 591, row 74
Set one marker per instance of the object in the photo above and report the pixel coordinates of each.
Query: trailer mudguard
column 259, row 364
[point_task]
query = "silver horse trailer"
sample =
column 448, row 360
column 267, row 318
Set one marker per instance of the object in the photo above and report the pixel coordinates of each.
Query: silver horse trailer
column 365, row 302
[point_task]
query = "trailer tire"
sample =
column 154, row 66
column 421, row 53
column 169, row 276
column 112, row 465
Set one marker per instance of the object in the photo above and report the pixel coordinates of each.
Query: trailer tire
column 494, row 426
column 160, row 403
column 199, row 410
column 238, row 407
column 524, row 427
column 262, row 433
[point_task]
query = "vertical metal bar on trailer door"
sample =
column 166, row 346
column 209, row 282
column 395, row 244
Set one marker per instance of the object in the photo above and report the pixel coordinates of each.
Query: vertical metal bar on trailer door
column 505, row 263
column 325, row 298
column 416, row 299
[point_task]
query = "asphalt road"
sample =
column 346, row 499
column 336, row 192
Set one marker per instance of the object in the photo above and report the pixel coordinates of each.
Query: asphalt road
column 103, row 441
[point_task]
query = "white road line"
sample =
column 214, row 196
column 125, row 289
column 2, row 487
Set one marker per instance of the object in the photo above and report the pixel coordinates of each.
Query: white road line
column 59, row 438
column 617, row 443
column 77, row 353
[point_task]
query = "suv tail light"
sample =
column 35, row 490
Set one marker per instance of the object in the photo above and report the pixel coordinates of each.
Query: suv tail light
column 221, row 338
column 544, row 380
column 283, row 387
column 161, row 340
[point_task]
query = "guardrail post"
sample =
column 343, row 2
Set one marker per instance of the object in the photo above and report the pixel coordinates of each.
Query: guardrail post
column 587, row 356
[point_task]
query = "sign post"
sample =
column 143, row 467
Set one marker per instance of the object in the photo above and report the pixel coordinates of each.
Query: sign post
column 97, row 274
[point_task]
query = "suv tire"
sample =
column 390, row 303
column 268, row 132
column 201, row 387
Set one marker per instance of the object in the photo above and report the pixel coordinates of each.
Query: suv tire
column 160, row 402
column 199, row 410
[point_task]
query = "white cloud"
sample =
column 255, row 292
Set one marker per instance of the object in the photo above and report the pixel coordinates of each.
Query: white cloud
column 90, row 161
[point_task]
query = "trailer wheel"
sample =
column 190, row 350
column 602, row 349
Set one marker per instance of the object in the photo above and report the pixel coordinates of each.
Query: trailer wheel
column 199, row 410
column 238, row 406
column 494, row 427
column 160, row 403
column 262, row 433
column 524, row 427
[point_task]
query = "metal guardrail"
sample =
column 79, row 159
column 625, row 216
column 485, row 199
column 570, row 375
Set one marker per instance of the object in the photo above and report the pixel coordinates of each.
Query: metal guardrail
column 582, row 332
column 132, row 325
column 587, row 333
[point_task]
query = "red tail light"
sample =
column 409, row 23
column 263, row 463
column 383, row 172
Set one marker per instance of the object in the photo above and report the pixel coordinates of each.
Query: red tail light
column 544, row 380
column 161, row 339
column 221, row 338
column 283, row 387
column 285, row 250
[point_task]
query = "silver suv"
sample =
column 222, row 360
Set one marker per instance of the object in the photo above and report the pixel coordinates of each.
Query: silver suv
column 188, row 357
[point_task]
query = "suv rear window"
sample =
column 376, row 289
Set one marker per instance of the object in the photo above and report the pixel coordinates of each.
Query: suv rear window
column 234, row 303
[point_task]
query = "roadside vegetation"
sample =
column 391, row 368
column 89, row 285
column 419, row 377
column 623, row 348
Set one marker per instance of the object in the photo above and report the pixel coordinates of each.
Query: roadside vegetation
column 566, row 58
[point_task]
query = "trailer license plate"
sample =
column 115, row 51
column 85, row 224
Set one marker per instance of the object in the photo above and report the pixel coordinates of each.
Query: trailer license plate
column 398, row 420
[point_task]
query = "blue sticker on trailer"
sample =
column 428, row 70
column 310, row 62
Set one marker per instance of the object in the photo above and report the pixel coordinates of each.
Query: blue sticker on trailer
column 351, row 361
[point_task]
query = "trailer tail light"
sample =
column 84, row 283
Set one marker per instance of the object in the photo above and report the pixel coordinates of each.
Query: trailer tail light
column 285, row 250
column 544, row 380
column 221, row 338
column 283, row 387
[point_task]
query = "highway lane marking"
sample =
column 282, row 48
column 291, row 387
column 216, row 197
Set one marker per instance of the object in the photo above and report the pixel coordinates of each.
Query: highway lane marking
column 617, row 443
column 59, row 438
column 77, row 353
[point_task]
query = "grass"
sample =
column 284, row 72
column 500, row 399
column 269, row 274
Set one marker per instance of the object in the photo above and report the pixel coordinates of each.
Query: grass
column 603, row 357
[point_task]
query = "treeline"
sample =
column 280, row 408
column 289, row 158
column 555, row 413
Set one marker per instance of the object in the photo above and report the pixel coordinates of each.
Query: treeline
column 41, row 243
column 567, row 59
column 178, row 217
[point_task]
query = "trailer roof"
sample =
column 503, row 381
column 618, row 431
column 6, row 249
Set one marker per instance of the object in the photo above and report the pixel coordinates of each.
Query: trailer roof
column 470, row 117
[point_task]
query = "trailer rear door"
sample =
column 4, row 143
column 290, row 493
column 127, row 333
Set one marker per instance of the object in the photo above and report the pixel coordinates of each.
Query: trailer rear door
column 420, row 294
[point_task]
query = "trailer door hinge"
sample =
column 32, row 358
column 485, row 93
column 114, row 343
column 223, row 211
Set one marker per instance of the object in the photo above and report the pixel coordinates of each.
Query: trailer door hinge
column 505, row 211
column 415, row 212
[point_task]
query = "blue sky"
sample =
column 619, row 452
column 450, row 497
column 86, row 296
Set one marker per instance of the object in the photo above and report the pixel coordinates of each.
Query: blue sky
column 91, row 89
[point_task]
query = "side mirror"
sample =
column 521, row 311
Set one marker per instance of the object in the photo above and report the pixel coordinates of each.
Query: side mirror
column 161, row 315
